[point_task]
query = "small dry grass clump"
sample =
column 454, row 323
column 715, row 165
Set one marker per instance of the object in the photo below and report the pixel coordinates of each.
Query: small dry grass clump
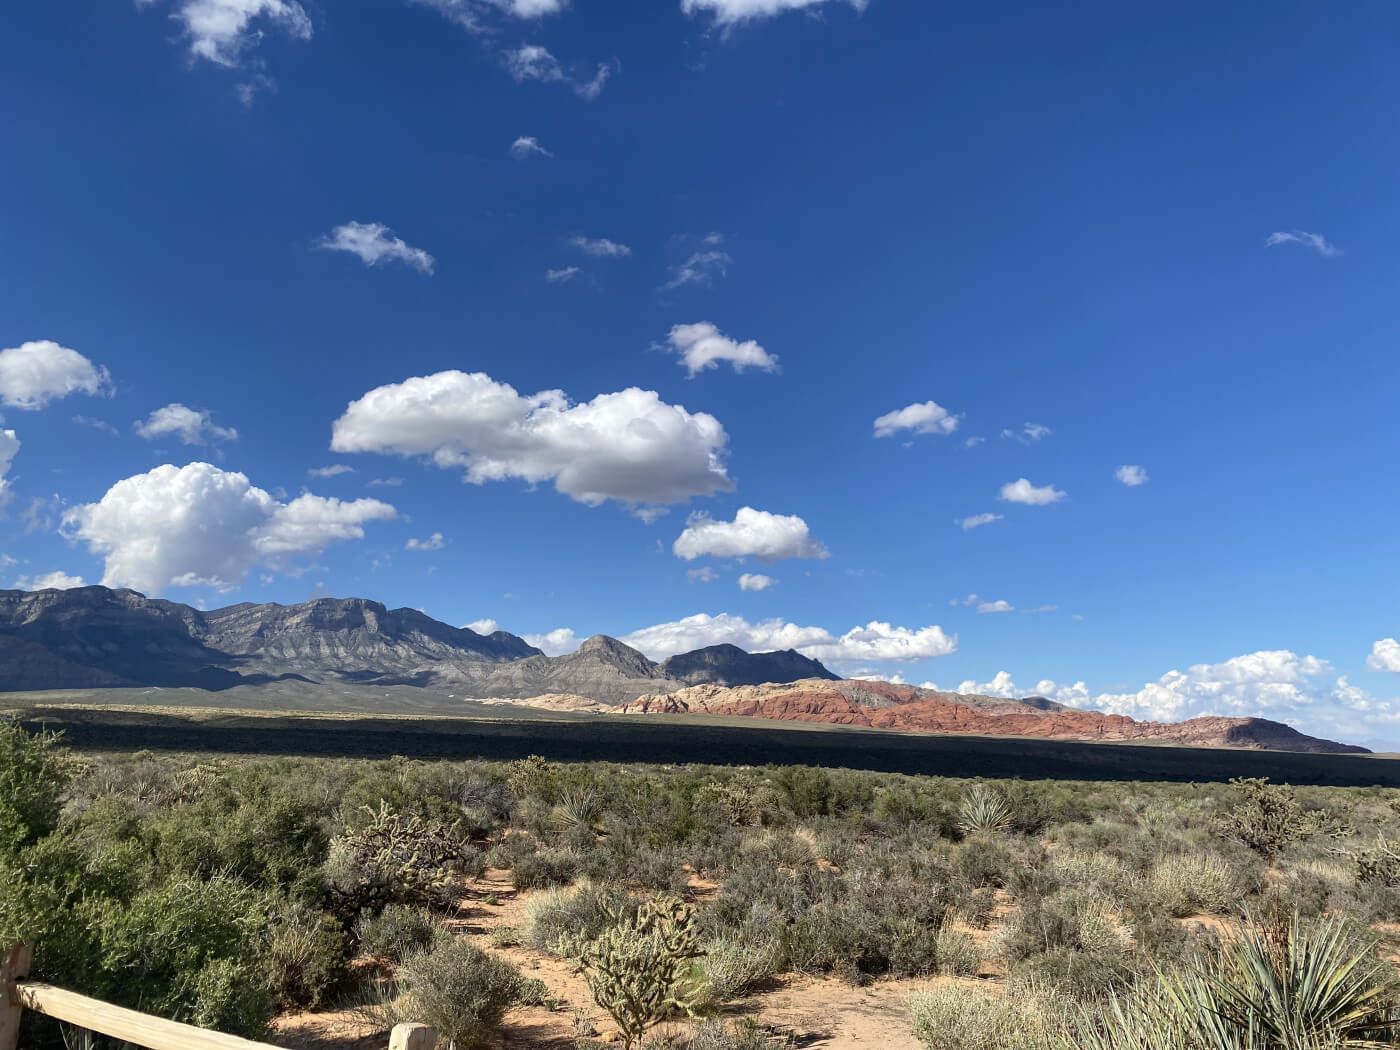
column 963, row 1017
column 1187, row 883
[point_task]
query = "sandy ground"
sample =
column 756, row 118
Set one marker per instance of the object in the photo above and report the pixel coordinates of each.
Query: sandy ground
column 799, row 1010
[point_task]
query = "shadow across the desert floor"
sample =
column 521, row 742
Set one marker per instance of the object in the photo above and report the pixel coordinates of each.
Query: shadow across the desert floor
column 663, row 740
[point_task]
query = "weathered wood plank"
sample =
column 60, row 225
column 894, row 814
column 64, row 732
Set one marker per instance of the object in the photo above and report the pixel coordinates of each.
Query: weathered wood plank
column 154, row 1033
column 14, row 965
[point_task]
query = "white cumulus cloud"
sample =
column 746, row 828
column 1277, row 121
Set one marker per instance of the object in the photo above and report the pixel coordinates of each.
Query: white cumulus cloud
column 732, row 12
column 1298, row 689
column 191, row 426
column 557, row 642
column 9, row 448
column 219, row 31
column 924, row 417
column 752, row 533
column 1131, row 475
column 35, row 373
column 483, row 626
column 180, row 526
column 435, row 542
column 374, row 243
column 1001, row 605
column 875, row 641
column 1385, row 656
column 57, row 580
column 628, row 446
column 755, row 581
column 1022, row 491
column 702, row 346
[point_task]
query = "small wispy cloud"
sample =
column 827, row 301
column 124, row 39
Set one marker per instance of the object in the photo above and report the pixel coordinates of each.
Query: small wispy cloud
column 435, row 542
column 374, row 243
column 527, row 146
column 705, row 574
column 702, row 266
column 599, row 247
column 97, row 424
column 1028, row 434
column 1315, row 241
column 562, row 275
column 332, row 471
column 533, row 62
column 976, row 521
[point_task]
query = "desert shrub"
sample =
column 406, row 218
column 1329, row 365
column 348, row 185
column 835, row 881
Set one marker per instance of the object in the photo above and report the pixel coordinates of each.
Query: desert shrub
column 1268, row 818
column 743, row 1034
column 551, row 866
column 977, row 906
column 957, row 953
column 640, row 968
column 1072, row 939
column 394, row 858
column 533, row 777
column 189, row 950
column 733, row 966
column 458, row 989
column 1200, row 882
column 957, row 1017
column 1102, row 873
column 34, row 771
column 306, row 954
column 1378, row 863
column 985, row 860
column 254, row 829
column 505, row 937
column 397, row 931
column 720, row 804
column 562, row 920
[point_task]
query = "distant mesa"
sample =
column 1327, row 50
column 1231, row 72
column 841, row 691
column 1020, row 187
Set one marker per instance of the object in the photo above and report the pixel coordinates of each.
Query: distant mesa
column 100, row 638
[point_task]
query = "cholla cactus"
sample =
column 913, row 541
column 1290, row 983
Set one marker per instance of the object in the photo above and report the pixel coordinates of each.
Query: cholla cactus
column 639, row 969
column 983, row 809
column 397, row 859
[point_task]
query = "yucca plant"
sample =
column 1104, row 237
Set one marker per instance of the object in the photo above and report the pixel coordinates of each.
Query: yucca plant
column 983, row 809
column 1281, row 986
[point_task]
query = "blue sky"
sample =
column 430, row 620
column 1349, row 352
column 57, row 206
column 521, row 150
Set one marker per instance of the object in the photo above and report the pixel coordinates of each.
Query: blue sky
column 1054, row 224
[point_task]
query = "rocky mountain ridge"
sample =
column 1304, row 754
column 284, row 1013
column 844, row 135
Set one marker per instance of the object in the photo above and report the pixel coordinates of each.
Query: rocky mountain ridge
column 97, row 637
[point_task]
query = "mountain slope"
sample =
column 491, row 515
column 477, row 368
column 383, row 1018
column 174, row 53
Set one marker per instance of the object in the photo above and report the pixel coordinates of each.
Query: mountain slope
column 94, row 637
column 730, row 665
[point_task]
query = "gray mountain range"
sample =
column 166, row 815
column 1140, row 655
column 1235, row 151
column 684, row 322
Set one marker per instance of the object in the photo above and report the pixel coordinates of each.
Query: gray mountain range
column 97, row 637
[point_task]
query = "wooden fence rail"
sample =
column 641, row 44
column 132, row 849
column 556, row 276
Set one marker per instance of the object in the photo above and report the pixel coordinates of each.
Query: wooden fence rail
column 132, row 1026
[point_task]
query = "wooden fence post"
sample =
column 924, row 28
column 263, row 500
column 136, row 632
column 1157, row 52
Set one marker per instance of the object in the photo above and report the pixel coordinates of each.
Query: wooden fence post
column 403, row 1037
column 14, row 965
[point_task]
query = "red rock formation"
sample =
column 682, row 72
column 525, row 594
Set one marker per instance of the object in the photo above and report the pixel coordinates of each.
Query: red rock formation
column 884, row 706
